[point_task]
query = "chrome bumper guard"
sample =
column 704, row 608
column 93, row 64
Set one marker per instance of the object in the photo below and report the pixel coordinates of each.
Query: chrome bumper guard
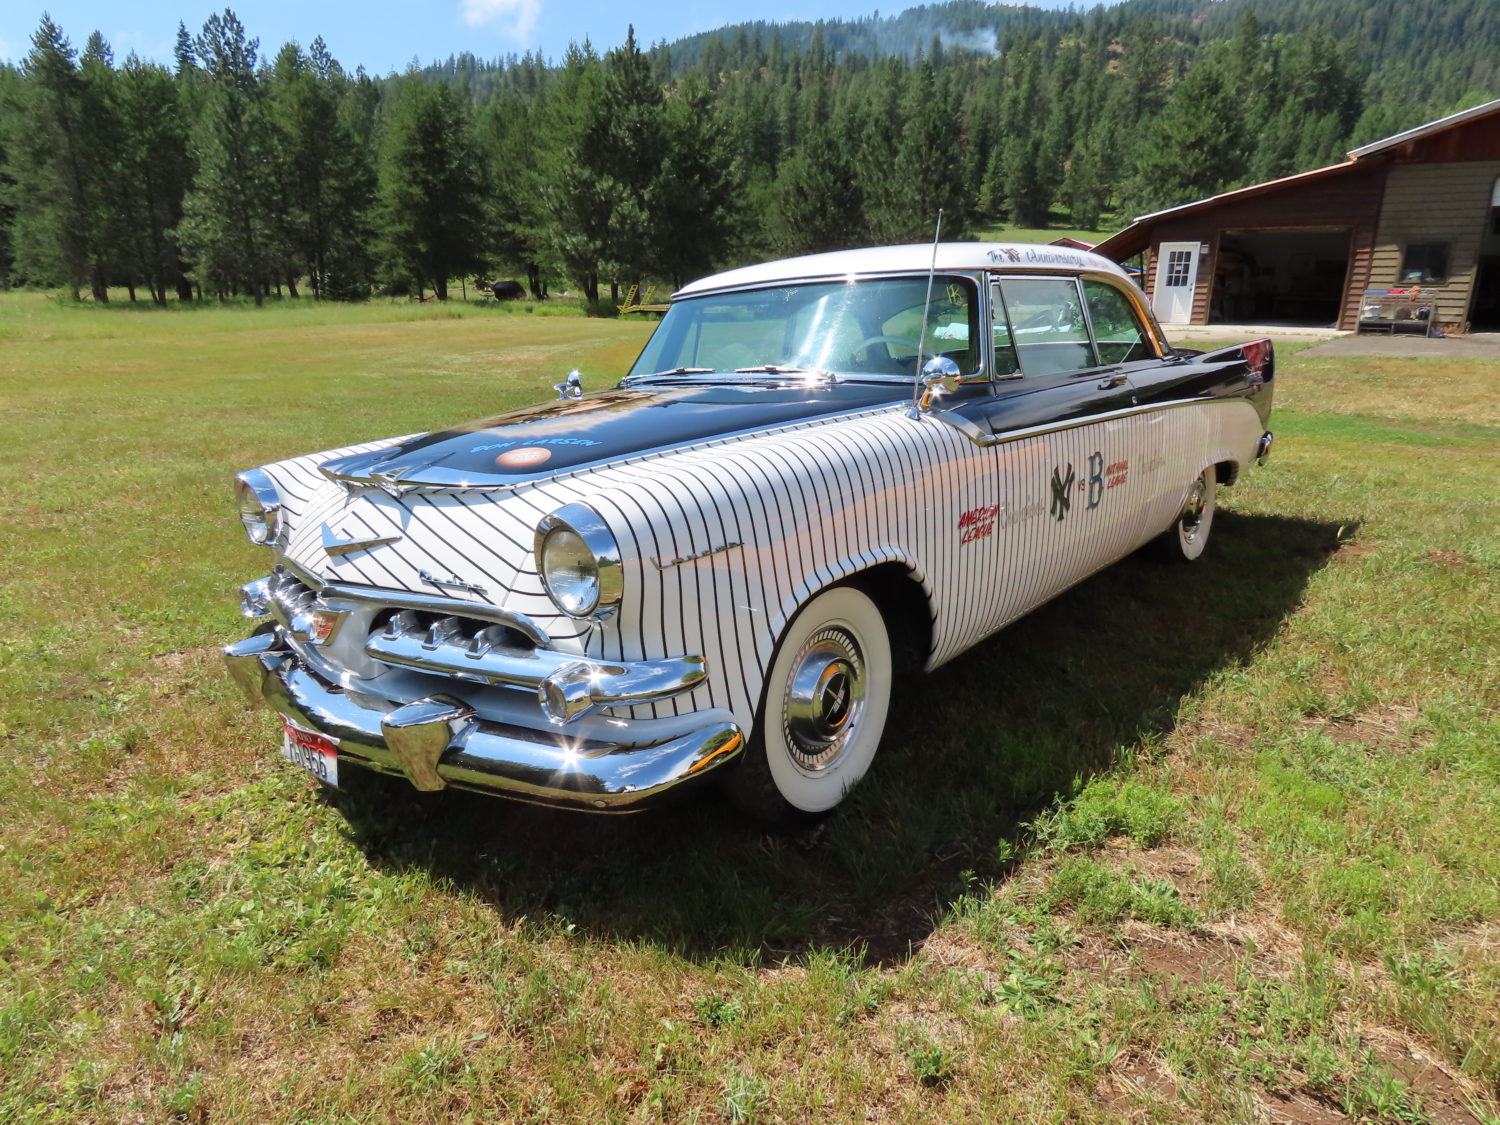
column 440, row 740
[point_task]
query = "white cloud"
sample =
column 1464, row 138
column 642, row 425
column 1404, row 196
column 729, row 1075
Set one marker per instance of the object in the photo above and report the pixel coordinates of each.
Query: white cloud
column 515, row 17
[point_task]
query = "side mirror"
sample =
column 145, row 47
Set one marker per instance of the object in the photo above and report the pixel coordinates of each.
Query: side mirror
column 940, row 376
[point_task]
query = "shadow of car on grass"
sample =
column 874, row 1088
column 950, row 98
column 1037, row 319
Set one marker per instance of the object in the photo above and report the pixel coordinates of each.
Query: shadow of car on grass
column 971, row 754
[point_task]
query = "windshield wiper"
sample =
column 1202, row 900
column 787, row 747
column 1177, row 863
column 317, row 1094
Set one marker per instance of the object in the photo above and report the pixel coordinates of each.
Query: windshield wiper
column 629, row 379
column 777, row 369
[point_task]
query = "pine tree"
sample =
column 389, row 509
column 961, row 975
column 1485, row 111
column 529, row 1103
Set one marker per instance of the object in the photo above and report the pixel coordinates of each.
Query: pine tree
column 430, row 212
column 694, row 190
column 571, row 189
column 60, row 220
column 153, row 175
column 508, row 138
column 326, row 180
column 1196, row 147
column 924, row 175
column 228, row 226
column 1027, row 182
column 629, row 149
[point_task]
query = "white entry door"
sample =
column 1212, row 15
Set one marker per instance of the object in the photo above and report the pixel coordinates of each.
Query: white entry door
column 1176, row 279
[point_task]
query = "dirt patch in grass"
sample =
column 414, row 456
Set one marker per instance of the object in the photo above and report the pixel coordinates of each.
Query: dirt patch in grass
column 1450, row 560
column 1143, row 950
column 1376, row 727
column 1356, row 549
column 1193, row 960
column 1299, row 1109
column 1444, row 1098
column 1131, row 1079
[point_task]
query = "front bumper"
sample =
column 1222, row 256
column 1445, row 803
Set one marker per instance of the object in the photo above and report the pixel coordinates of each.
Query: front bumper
column 441, row 740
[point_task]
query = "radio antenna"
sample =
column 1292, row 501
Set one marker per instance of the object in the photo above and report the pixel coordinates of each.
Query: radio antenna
column 916, row 390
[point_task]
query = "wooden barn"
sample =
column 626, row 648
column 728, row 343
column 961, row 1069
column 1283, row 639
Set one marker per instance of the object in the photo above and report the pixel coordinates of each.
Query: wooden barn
column 1403, row 235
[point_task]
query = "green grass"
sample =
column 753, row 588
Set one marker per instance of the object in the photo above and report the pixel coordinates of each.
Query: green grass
column 1186, row 845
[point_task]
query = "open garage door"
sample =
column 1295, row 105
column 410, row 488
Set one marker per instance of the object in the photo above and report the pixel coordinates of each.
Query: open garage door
column 1280, row 277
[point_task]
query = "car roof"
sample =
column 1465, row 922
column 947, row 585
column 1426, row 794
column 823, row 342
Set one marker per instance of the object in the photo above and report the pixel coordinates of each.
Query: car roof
column 1018, row 257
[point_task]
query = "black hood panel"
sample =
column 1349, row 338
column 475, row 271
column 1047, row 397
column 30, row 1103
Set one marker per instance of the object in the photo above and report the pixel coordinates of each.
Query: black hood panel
column 540, row 441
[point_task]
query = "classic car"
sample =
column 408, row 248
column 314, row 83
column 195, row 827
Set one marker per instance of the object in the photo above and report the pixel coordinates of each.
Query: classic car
column 818, row 473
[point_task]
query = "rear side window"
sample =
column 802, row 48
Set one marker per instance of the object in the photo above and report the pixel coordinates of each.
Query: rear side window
column 1048, row 332
column 1118, row 332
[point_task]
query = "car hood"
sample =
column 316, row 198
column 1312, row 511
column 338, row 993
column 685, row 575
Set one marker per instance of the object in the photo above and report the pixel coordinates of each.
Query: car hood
column 558, row 437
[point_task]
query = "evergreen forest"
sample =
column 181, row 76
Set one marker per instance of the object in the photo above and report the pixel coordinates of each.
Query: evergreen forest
column 238, row 172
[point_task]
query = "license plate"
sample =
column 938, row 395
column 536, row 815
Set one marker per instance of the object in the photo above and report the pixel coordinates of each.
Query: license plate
column 314, row 752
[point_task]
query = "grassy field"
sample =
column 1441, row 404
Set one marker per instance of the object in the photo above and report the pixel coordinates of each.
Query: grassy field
column 1039, row 234
column 1208, row 844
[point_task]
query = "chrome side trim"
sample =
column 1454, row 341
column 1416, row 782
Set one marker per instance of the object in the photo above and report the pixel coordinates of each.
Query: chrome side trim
column 982, row 438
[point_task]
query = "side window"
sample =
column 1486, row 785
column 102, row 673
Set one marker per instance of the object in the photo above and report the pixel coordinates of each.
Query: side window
column 1047, row 326
column 1117, row 329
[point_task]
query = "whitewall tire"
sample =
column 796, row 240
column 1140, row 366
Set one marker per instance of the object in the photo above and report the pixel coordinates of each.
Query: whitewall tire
column 822, row 713
column 1187, row 538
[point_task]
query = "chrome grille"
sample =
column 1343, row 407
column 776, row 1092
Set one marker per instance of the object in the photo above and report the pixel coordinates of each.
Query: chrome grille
column 470, row 648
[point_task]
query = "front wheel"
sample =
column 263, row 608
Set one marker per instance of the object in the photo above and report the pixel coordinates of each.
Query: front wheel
column 822, row 711
column 1187, row 538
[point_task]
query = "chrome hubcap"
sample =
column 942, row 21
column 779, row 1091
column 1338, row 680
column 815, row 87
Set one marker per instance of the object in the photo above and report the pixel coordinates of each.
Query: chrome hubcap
column 1192, row 512
column 824, row 698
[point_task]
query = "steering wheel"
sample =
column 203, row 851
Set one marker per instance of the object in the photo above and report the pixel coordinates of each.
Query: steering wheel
column 868, row 340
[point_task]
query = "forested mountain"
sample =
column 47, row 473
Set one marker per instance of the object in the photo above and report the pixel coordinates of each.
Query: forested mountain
column 241, row 172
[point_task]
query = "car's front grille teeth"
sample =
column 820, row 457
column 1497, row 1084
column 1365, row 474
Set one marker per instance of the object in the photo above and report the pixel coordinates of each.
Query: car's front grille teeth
column 290, row 596
column 436, row 631
column 475, row 650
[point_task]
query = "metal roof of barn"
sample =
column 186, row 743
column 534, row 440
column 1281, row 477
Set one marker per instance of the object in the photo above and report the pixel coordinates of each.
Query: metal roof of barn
column 1426, row 130
column 1129, row 241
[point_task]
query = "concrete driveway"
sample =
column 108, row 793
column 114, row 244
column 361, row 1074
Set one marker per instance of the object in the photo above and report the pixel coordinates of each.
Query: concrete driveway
column 1476, row 345
column 1330, row 341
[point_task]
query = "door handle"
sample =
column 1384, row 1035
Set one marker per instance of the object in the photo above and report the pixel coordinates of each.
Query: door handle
column 1113, row 381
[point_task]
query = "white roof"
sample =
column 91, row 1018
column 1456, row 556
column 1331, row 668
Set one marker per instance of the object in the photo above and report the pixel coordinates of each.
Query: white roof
column 1021, row 257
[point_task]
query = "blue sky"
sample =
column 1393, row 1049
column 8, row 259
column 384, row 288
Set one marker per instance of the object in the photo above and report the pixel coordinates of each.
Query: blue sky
column 384, row 35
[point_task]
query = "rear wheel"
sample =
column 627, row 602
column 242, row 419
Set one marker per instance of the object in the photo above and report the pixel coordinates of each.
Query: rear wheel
column 822, row 711
column 1187, row 538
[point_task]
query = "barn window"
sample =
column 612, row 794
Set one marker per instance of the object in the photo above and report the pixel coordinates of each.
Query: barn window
column 1179, row 265
column 1424, row 262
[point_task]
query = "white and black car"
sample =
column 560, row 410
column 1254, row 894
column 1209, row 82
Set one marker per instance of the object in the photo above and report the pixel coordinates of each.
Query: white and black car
column 817, row 470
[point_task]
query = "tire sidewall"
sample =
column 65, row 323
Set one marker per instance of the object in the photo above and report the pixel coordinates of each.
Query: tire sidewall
column 805, row 792
column 1192, row 549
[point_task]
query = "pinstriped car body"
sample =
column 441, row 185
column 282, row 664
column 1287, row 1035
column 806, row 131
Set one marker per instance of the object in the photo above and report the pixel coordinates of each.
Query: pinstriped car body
column 422, row 610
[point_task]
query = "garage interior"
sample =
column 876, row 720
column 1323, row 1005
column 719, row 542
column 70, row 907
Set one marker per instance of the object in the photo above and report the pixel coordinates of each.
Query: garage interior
column 1280, row 277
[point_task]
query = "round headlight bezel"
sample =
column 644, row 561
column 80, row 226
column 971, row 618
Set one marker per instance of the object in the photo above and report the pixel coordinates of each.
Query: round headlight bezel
column 259, row 506
column 584, row 596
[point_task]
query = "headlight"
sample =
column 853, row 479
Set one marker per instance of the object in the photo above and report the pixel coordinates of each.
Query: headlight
column 579, row 562
column 259, row 505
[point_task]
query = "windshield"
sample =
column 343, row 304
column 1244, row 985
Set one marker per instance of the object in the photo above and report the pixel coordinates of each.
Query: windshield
column 866, row 328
